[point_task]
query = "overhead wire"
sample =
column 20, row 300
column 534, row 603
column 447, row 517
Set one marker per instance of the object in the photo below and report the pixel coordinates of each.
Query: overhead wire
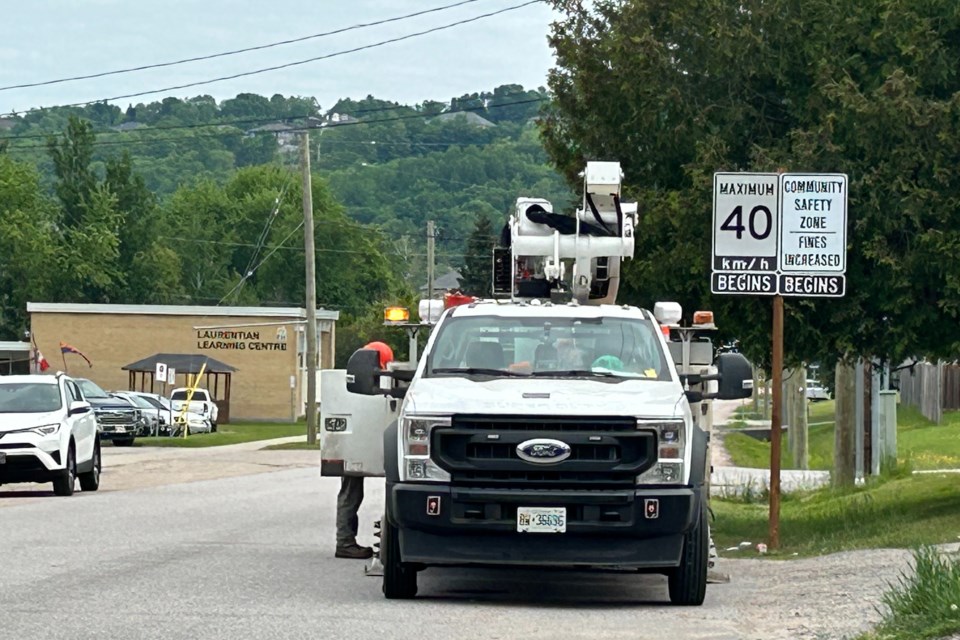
column 329, row 127
column 261, row 240
column 222, row 54
column 273, row 120
column 295, row 63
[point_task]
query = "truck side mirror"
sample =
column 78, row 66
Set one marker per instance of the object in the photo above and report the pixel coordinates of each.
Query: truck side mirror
column 362, row 372
column 735, row 377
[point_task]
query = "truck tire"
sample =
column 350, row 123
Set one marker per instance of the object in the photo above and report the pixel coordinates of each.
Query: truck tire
column 688, row 582
column 90, row 481
column 399, row 582
column 63, row 483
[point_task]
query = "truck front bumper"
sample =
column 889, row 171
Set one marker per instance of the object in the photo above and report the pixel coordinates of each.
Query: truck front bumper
column 604, row 528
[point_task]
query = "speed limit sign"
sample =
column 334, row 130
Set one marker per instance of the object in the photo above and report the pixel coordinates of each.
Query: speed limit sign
column 745, row 233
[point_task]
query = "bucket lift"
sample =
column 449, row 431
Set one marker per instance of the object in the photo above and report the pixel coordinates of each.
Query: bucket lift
column 560, row 257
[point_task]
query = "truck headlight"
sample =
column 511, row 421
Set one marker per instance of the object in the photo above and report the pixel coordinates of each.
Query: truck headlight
column 415, row 433
column 671, row 443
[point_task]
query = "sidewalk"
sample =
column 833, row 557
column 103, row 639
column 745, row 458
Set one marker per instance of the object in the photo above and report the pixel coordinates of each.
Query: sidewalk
column 728, row 479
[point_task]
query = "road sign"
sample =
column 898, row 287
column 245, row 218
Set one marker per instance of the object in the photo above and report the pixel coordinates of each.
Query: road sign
column 779, row 234
column 161, row 373
column 171, row 376
column 813, row 223
column 745, row 283
column 814, row 285
column 745, row 228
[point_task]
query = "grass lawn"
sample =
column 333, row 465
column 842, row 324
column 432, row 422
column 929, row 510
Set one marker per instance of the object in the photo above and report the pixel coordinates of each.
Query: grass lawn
column 924, row 604
column 903, row 512
column 296, row 445
column 230, row 434
column 920, row 443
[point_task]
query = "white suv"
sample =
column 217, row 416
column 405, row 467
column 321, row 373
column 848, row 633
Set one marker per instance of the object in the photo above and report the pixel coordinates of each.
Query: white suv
column 48, row 433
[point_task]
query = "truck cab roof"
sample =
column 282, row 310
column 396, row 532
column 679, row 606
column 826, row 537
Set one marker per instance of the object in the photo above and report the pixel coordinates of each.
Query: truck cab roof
column 530, row 308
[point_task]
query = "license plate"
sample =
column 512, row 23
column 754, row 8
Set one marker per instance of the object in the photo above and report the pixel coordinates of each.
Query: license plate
column 542, row 519
column 121, row 430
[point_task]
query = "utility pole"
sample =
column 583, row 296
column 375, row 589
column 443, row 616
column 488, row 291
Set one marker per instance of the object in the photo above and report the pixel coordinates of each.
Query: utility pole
column 775, row 421
column 844, row 460
column 311, row 289
column 431, row 237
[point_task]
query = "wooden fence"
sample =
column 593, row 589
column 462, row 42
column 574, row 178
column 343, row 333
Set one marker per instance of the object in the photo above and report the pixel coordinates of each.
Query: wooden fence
column 931, row 388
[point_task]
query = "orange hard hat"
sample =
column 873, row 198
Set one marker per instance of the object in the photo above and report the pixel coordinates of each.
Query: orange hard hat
column 386, row 353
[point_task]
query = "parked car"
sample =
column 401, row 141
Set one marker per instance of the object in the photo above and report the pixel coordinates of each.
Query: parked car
column 48, row 433
column 816, row 391
column 167, row 416
column 119, row 420
column 201, row 402
column 149, row 419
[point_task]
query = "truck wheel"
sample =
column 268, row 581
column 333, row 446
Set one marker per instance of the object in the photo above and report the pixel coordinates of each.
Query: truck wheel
column 688, row 582
column 90, row 481
column 399, row 582
column 63, row 483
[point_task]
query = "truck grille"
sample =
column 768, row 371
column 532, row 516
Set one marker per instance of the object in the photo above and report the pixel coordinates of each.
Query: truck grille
column 481, row 451
column 109, row 418
column 538, row 423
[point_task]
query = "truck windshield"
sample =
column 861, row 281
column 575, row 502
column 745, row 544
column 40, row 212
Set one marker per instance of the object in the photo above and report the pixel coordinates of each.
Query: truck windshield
column 90, row 389
column 607, row 348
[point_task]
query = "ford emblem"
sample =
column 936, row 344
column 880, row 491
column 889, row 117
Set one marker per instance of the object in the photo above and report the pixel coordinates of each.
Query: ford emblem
column 543, row 451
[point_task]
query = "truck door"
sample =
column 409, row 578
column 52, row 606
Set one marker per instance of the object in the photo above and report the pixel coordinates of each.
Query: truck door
column 351, row 427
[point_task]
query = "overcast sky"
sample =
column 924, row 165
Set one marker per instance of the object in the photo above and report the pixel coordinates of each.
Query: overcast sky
column 51, row 39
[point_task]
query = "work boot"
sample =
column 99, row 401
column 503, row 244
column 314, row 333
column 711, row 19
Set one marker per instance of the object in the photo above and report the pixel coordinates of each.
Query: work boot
column 354, row 551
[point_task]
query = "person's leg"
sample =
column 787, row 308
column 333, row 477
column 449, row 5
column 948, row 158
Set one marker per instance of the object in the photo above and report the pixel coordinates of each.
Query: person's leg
column 348, row 504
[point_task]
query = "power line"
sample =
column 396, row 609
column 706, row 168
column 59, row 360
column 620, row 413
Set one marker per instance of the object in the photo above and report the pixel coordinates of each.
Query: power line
column 274, row 249
column 415, row 116
column 308, row 60
column 223, row 54
column 261, row 240
column 248, row 121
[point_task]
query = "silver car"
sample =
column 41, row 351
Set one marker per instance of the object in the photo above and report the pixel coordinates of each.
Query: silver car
column 164, row 411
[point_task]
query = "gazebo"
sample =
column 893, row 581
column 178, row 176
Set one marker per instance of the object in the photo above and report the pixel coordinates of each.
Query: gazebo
column 185, row 364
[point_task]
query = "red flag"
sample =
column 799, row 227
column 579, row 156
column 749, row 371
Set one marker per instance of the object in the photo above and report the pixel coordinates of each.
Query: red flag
column 42, row 363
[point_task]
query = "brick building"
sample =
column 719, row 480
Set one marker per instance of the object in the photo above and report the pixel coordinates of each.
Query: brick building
column 265, row 346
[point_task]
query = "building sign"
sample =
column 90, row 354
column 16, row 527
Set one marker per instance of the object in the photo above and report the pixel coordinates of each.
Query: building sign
column 779, row 234
column 233, row 340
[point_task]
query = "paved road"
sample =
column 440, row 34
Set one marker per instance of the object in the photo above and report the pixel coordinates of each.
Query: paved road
column 252, row 557
column 126, row 468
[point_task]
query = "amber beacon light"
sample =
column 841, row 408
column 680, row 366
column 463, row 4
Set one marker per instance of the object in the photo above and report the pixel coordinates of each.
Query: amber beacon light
column 396, row 314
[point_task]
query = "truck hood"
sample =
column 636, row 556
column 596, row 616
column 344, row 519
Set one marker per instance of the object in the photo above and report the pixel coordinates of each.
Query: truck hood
column 17, row 421
column 541, row 396
column 111, row 404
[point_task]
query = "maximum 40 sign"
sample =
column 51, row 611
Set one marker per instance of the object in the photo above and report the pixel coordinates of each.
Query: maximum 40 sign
column 779, row 234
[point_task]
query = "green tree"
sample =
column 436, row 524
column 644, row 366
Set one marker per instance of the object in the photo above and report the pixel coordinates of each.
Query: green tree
column 477, row 268
column 678, row 89
column 151, row 272
column 28, row 245
column 88, row 258
column 72, row 157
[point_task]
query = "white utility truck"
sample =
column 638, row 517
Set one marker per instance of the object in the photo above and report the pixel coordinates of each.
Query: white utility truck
column 547, row 426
